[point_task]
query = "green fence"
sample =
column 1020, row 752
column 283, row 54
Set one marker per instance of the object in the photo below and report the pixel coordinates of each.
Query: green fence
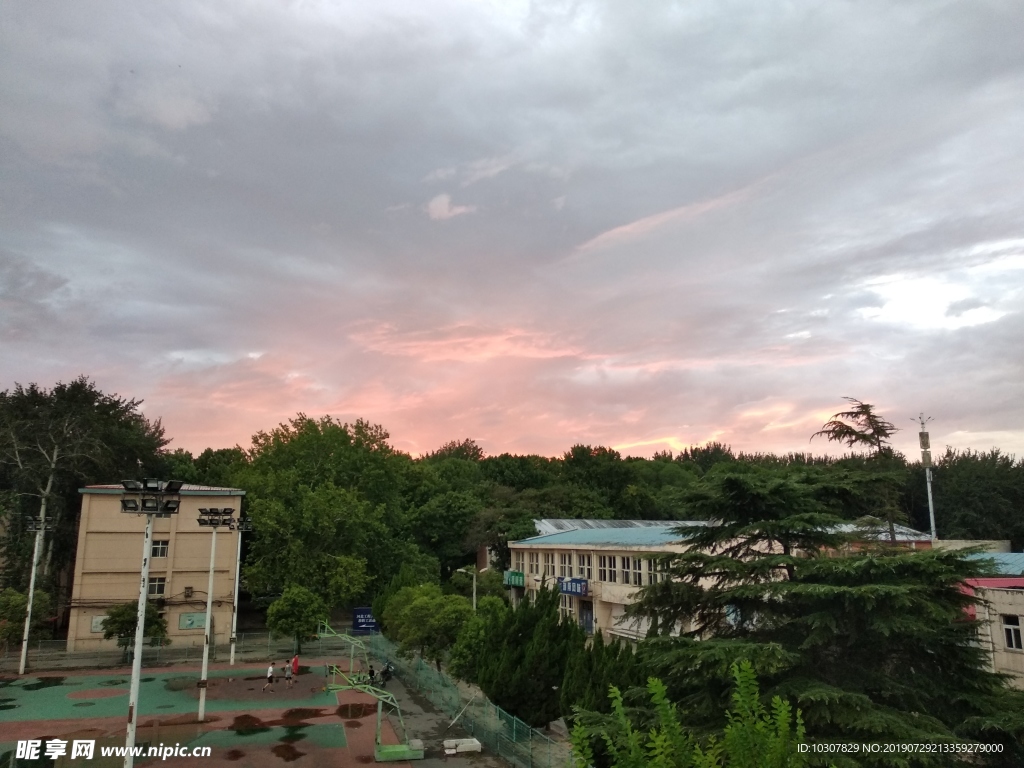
column 499, row 732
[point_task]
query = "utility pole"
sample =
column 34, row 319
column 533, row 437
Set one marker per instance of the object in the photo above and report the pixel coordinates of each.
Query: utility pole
column 926, row 461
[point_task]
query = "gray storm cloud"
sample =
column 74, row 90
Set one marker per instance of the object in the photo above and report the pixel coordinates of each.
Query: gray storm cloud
column 534, row 224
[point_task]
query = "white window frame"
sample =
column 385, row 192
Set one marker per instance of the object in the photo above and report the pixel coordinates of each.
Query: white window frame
column 638, row 572
column 534, row 562
column 565, row 565
column 584, row 567
column 652, row 573
column 157, row 586
column 160, row 547
column 613, row 573
column 1011, row 633
column 549, row 564
column 519, row 557
column 627, row 577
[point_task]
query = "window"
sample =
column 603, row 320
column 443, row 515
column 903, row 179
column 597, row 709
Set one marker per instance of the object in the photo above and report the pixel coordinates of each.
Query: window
column 583, row 567
column 160, row 548
column 602, row 568
column 652, row 573
column 565, row 565
column 638, row 576
column 549, row 563
column 534, row 562
column 612, row 573
column 626, row 578
column 1011, row 628
column 157, row 585
column 566, row 606
column 519, row 560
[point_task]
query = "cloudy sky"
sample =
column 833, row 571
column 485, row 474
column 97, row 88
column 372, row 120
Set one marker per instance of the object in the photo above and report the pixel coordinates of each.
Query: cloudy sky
column 533, row 224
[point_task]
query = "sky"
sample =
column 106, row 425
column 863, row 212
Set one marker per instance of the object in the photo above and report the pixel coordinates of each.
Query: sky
column 532, row 224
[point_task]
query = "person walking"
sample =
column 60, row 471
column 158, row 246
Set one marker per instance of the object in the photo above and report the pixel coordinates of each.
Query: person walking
column 295, row 665
column 287, row 674
column 270, row 678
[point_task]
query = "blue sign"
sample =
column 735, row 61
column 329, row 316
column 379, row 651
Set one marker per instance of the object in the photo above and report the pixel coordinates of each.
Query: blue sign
column 363, row 622
column 576, row 587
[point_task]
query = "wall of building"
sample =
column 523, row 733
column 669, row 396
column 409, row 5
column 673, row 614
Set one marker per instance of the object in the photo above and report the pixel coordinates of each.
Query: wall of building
column 1006, row 658
column 108, row 565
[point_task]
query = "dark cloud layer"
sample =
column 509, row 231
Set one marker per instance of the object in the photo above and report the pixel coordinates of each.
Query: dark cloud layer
column 533, row 224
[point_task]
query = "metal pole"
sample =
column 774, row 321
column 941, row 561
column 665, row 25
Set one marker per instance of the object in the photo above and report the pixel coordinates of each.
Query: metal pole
column 140, row 631
column 234, row 604
column 31, row 590
column 474, row 589
column 931, row 504
column 206, row 643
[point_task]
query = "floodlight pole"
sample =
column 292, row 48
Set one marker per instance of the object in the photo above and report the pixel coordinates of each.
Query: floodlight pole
column 243, row 525
column 206, row 643
column 926, row 460
column 32, row 587
column 140, row 632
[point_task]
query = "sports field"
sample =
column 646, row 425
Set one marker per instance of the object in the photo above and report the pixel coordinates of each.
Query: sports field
column 301, row 725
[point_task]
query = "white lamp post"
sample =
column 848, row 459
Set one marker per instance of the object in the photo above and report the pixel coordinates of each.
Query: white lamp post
column 473, row 572
column 244, row 524
column 213, row 518
column 149, row 497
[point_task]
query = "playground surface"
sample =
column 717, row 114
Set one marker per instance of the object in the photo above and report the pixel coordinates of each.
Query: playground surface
column 300, row 725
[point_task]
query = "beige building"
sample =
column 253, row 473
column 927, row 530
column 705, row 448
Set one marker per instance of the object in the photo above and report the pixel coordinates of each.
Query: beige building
column 109, row 560
column 1002, row 621
column 598, row 565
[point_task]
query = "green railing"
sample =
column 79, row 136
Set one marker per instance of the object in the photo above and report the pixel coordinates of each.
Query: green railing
column 500, row 733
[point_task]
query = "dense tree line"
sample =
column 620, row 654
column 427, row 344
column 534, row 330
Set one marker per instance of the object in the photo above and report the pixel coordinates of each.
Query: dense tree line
column 337, row 510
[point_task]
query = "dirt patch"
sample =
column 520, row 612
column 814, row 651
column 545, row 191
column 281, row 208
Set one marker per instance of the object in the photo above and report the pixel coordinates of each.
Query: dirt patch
column 111, row 683
column 353, row 723
column 235, row 754
column 353, row 711
column 98, row 693
column 287, row 752
column 364, row 759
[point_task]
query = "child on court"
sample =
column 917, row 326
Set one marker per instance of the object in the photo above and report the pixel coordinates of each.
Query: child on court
column 287, row 673
column 270, row 677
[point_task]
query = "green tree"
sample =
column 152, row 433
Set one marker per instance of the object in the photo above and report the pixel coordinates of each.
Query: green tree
column 12, row 615
column 441, row 526
column 466, row 449
column 871, row 645
column 753, row 737
column 297, row 613
column 424, row 619
column 859, row 425
column 323, row 541
column 123, row 618
column 51, row 442
column 526, row 659
column 477, row 638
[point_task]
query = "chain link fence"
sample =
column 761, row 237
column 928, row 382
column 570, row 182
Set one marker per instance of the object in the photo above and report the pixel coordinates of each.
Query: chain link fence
column 50, row 655
column 499, row 732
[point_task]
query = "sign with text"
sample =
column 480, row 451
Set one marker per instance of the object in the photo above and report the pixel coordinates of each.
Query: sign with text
column 514, row 579
column 363, row 622
column 576, row 587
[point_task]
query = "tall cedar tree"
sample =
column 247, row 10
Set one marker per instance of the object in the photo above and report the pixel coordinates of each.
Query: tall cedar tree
column 593, row 668
column 870, row 645
column 527, row 668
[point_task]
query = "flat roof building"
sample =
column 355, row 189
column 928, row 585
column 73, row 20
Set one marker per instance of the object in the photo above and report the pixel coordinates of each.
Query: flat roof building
column 598, row 565
column 109, row 559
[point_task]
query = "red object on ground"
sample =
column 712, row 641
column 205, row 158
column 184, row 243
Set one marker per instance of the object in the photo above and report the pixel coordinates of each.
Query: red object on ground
column 295, row 665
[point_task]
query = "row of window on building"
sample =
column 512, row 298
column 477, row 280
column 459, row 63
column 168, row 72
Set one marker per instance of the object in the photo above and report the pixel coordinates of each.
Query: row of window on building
column 611, row 569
